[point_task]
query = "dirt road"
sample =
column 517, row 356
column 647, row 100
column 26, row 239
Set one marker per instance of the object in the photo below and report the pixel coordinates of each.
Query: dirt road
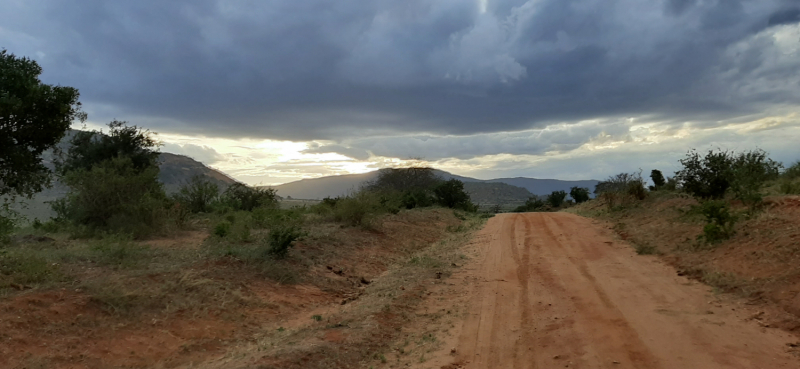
column 555, row 290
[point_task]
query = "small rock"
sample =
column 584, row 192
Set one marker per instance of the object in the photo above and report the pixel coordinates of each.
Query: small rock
column 557, row 357
column 615, row 362
column 453, row 350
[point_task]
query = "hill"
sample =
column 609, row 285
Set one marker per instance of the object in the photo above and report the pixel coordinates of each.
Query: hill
column 332, row 186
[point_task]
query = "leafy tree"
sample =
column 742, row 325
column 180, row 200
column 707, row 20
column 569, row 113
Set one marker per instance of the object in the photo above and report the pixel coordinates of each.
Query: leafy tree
column 451, row 194
column 33, row 118
column 113, row 180
column 621, row 189
column 556, row 198
column 533, row 203
column 658, row 179
column 198, row 194
column 579, row 194
column 405, row 179
column 89, row 148
column 706, row 177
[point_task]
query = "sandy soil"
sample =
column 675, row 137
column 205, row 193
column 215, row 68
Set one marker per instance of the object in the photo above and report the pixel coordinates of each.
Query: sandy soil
column 547, row 290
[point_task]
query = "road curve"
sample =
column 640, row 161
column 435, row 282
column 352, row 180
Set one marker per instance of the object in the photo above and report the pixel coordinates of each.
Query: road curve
column 557, row 291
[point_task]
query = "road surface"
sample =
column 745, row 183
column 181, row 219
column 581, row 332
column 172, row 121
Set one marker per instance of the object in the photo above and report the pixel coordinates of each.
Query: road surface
column 558, row 291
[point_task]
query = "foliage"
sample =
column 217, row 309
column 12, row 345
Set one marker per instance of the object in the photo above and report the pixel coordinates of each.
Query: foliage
column 532, row 204
column 658, row 178
column 719, row 221
column 117, row 251
column 198, row 194
column 451, row 194
column 621, row 189
column 416, row 199
column 222, row 229
column 404, row 179
column 556, row 198
column 33, row 118
column 242, row 197
column 280, row 240
column 23, row 267
column 579, row 194
column 114, row 195
column 750, row 170
column 706, row 177
column 90, row 148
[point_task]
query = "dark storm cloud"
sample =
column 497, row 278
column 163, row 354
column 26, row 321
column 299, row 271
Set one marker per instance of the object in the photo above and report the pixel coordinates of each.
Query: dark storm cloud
column 320, row 69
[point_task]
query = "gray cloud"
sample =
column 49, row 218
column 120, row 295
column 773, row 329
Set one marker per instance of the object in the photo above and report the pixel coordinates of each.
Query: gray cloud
column 318, row 69
column 200, row 153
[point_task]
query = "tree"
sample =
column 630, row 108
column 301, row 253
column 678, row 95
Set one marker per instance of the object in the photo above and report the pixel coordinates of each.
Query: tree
column 242, row 197
column 579, row 194
column 33, row 118
column 451, row 194
column 706, row 177
column 89, row 148
column 658, row 179
column 113, row 181
column 405, row 179
column 556, row 198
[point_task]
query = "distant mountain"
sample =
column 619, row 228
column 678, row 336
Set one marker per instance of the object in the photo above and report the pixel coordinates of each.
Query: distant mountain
column 482, row 191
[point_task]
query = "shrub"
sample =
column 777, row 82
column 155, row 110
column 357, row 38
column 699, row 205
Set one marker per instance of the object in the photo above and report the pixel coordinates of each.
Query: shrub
column 556, row 198
column 6, row 227
column 621, row 189
column 404, row 179
column 198, row 194
column 750, row 170
column 415, row 199
column 113, row 195
column 280, row 240
column 222, row 229
column 242, row 197
column 22, row 267
column 579, row 194
column 117, row 250
column 706, row 177
column 532, row 204
column 658, row 179
column 451, row 194
column 719, row 221
column 353, row 209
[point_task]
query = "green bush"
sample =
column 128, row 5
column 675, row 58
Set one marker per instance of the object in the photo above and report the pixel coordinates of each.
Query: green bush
column 719, row 221
column 239, row 196
column 792, row 172
column 579, row 194
column 353, row 209
column 621, row 190
column 114, row 196
column 750, row 170
column 556, row 198
column 532, row 204
column 23, row 267
column 198, row 195
column 415, row 199
column 222, row 229
column 280, row 239
column 6, row 228
column 658, row 179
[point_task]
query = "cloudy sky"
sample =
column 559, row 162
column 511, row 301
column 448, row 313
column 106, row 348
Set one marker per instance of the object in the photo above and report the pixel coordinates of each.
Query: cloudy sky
column 278, row 90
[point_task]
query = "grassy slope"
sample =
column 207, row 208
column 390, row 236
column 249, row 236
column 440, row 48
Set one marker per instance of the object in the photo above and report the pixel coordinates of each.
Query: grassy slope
column 760, row 262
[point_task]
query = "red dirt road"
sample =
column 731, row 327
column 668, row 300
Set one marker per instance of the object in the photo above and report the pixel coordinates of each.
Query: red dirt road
column 555, row 290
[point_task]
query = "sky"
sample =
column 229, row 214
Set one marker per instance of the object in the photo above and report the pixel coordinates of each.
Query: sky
column 274, row 91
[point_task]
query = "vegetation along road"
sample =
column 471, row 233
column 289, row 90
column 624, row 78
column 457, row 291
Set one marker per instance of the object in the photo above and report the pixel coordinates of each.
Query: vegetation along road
column 549, row 290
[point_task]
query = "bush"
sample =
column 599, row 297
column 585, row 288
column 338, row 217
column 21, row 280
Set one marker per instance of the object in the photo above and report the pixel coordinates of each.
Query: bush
column 113, row 195
column 451, row 194
column 416, row 199
column 117, row 251
column 197, row 195
column 792, row 172
column 579, row 194
column 532, row 204
column 706, row 177
column 556, row 198
column 621, row 189
column 280, row 240
column 353, row 209
column 658, row 179
column 222, row 229
column 750, row 170
column 22, row 267
column 719, row 221
column 242, row 197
